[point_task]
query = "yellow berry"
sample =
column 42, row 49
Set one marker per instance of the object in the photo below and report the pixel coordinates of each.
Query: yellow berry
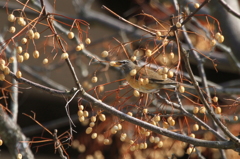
column 85, row 113
column 145, row 145
column 101, row 88
column 158, row 35
column 136, row 93
column 133, row 58
column 196, row 5
column 195, row 110
column 81, row 148
column 140, row 81
column 178, row 24
column 20, row 21
column 145, row 111
column 148, row 52
column 106, row 142
column 156, row 139
column 94, row 79
column 2, row 78
column 102, row 117
column 153, row 122
column 189, row 150
column 1, row 142
column 213, row 42
column 20, row 58
column 172, row 122
column 45, row 61
column 151, row 139
column 215, row 99
column 80, row 107
column 18, row 74
column 160, row 144
column 104, row 53
column 156, row 118
column 181, row 89
column 30, row 34
column 79, row 47
column 64, row 56
column 24, row 40
column 169, row 119
column 70, row 35
column 23, row 23
column 220, row 39
column 192, row 135
column 145, row 81
column 36, row 54
column 93, row 118
column 113, row 130
column 11, row 18
column 26, row 56
column 112, row 63
column 80, row 113
column 202, row 110
column 170, row 74
column 164, row 70
column 131, row 142
column 133, row 72
column 89, row 130
column 2, row 62
column 217, row 35
column 11, row 59
column 36, row 35
column 165, row 125
column 218, row 110
column 12, row 29
column 92, row 124
column 88, row 41
column 19, row 49
column 2, row 67
column 133, row 148
column 235, row 118
column 6, row 70
column 119, row 126
column 19, row 156
column 123, row 136
column 195, row 127
column 130, row 114
column 81, row 118
column 94, row 135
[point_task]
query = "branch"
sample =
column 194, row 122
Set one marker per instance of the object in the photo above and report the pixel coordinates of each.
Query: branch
column 12, row 136
column 229, row 9
column 185, row 55
column 121, row 115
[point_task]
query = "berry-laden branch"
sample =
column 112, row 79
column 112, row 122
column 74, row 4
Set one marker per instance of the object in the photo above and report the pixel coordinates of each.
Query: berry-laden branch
column 132, row 93
column 185, row 56
column 121, row 115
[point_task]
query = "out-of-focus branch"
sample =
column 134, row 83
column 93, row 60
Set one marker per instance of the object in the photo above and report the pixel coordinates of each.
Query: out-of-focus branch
column 12, row 136
column 228, row 23
column 229, row 8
